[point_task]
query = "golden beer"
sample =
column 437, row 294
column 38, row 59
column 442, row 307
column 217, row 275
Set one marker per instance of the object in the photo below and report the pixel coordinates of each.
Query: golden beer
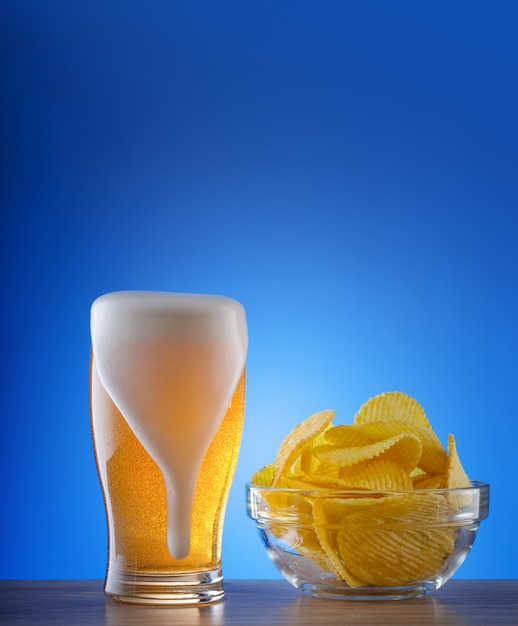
column 136, row 492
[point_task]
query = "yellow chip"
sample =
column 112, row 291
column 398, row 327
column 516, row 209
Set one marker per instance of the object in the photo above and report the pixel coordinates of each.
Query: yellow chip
column 325, row 468
column 325, row 475
column 456, row 476
column 331, row 512
column 293, row 444
column 392, row 405
column 433, row 457
column 328, row 515
column 377, row 475
column 404, row 449
column 300, row 481
column 455, row 473
column 264, row 476
column 303, row 537
column 315, row 481
column 308, row 462
column 310, row 547
column 397, row 540
column 285, row 504
column 428, row 481
column 346, row 436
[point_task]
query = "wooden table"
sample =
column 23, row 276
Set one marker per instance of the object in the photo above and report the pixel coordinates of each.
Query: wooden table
column 257, row 603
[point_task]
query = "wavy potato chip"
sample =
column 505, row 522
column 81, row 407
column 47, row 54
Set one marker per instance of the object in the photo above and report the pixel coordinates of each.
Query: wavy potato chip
column 392, row 542
column 346, row 436
column 293, row 444
column 394, row 405
column 428, row 481
column 456, row 476
column 328, row 514
column 404, row 449
column 433, row 457
column 455, row 473
column 288, row 506
column 377, row 475
column 314, row 481
column 264, row 476
column 308, row 463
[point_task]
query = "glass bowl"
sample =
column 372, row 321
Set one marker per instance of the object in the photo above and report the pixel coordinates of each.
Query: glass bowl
column 365, row 545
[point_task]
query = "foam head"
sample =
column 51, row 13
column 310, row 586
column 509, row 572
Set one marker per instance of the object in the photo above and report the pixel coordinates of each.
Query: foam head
column 171, row 363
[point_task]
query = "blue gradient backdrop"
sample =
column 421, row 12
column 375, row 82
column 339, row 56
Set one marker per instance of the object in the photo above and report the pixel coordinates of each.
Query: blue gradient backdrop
column 348, row 170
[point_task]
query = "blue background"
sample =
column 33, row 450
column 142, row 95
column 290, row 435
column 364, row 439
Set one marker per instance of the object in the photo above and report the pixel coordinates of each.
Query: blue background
column 347, row 170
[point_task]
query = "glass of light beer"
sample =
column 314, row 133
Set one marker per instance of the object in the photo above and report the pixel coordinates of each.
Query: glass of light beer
column 167, row 393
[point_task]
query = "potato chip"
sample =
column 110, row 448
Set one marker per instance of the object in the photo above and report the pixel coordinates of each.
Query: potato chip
column 291, row 506
column 394, row 405
column 328, row 514
column 331, row 512
column 347, row 435
column 456, row 476
column 313, row 481
column 310, row 547
column 264, row 476
column 324, row 475
column 428, row 481
column 300, row 532
column 293, row 444
column 433, row 457
column 306, row 541
column 326, row 469
column 404, row 449
column 394, row 541
column 308, row 463
column 377, row 475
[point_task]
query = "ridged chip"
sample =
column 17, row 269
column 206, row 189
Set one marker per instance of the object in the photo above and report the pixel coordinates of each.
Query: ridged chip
column 306, row 542
column 310, row 547
column 308, row 462
column 428, row 481
column 285, row 504
column 313, row 481
column 394, row 541
column 293, row 444
column 392, row 405
column 433, row 457
column 456, row 476
column 377, row 475
column 264, row 476
column 326, row 468
column 404, row 449
column 328, row 515
column 346, row 436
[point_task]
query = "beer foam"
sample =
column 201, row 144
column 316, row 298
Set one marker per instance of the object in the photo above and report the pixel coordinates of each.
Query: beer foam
column 171, row 363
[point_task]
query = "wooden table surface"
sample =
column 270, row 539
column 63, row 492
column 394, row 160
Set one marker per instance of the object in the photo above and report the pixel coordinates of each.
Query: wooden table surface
column 257, row 603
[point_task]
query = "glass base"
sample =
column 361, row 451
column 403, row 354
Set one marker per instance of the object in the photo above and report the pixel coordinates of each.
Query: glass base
column 164, row 589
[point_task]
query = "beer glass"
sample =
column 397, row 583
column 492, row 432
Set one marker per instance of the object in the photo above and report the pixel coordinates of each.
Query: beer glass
column 167, row 390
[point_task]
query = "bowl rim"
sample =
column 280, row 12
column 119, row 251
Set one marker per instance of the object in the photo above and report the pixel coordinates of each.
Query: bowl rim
column 311, row 490
column 476, row 498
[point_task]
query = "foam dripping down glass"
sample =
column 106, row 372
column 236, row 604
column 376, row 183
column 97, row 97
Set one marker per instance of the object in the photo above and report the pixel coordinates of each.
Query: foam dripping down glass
column 167, row 389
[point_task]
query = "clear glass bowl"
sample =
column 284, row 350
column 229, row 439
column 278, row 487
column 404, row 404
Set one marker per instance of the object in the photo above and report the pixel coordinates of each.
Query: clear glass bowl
column 364, row 545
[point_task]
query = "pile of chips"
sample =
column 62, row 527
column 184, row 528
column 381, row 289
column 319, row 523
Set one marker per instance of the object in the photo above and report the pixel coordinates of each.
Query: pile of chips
column 368, row 537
